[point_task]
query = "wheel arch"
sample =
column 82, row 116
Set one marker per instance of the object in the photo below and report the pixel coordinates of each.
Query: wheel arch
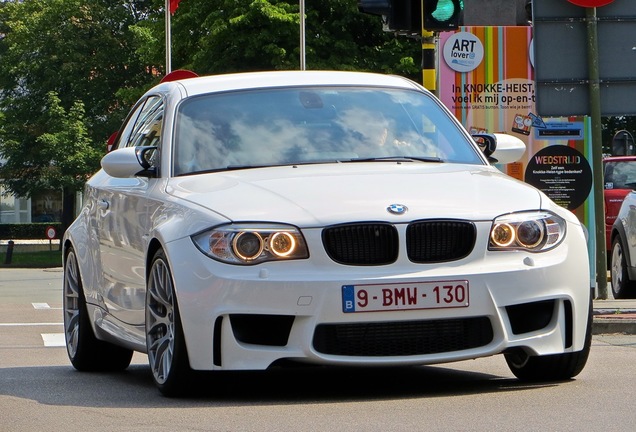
column 618, row 231
column 153, row 247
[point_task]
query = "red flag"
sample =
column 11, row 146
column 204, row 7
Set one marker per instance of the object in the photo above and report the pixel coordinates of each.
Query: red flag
column 174, row 4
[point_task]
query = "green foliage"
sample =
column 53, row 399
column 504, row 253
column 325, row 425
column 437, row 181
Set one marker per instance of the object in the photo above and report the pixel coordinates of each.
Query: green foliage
column 222, row 36
column 63, row 64
column 60, row 156
column 71, row 69
column 80, row 49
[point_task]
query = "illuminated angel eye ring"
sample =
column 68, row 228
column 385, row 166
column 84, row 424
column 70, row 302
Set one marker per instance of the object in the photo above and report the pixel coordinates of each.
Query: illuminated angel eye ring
column 247, row 245
column 282, row 244
column 503, row 235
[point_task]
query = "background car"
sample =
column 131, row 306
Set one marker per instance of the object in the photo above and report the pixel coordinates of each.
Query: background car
column 623, row 253
column 332, row 218
column 619, row 178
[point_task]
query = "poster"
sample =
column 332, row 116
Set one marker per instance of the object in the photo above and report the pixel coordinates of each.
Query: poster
column 486, row 78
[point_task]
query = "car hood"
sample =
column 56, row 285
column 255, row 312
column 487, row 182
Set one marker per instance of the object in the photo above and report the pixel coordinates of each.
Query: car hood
column 317, row 195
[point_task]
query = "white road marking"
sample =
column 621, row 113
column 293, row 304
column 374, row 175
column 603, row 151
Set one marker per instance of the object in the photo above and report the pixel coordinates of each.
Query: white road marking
column 30, row 324
column 53, row 339
column 44, row 306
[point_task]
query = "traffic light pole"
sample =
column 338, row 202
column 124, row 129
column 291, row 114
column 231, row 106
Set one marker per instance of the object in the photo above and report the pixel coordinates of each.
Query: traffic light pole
column 429, row 57
column 429, row 61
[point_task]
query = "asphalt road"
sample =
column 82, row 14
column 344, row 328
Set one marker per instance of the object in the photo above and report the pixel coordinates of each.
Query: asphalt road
column 40, row 391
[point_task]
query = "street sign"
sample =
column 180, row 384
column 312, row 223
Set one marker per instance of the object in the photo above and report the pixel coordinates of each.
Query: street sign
column 50, row 232
column 591, row 3
column 561, row 63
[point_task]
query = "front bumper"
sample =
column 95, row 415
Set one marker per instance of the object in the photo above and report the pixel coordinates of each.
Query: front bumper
column 249, row 317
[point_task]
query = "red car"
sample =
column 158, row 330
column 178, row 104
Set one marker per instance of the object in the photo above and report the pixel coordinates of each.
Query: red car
column 619, row 180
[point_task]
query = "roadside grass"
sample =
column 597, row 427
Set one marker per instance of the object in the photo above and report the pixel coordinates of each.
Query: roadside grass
column 40, row 259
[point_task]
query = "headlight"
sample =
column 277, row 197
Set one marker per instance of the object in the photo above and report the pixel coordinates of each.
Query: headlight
column 252, row 243
column 530, row 231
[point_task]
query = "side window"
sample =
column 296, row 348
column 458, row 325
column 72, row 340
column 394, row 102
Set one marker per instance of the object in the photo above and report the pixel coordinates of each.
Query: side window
column 144, row 128
column 127, row 127
column 147, row 128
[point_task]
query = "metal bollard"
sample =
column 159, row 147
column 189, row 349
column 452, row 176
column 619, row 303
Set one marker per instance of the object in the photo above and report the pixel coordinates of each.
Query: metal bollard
column 7, row 259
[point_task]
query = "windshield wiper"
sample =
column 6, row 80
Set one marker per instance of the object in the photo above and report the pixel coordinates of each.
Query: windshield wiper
column 397, row 159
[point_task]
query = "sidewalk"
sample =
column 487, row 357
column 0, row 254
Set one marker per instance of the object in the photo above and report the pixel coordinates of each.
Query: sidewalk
column 614, row 316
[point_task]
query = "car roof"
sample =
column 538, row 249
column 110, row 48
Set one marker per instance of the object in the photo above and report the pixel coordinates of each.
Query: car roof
column 250, row 80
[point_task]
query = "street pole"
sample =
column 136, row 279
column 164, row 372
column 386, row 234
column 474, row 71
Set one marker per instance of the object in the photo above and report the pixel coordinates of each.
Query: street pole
column 597, row 151
column 302, row 35
column 168, row 39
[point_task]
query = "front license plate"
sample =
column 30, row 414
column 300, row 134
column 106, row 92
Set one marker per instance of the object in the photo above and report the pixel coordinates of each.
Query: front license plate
column 405, row 296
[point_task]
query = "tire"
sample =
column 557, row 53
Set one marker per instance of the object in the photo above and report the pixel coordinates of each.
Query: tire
column 622, row 286
column 556, row 367
column 85, row 351
column 167, row 354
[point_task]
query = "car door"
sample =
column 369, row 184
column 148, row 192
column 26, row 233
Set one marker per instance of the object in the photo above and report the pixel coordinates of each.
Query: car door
column 123, row 222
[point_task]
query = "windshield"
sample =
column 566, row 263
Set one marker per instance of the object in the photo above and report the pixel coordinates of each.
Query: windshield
column 314, row 125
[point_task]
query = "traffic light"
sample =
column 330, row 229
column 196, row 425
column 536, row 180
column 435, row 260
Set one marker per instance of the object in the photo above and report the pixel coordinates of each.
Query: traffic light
column 443, row 15
column 405, row 16
column 402, row 16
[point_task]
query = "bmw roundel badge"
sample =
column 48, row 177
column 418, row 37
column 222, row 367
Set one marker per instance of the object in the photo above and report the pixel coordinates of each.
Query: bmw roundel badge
column 397, row 209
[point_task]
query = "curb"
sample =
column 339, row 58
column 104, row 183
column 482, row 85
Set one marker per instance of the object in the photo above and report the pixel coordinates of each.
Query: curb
column 614, row 321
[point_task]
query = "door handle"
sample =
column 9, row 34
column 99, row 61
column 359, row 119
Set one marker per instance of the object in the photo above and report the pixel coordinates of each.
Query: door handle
column 103, row 204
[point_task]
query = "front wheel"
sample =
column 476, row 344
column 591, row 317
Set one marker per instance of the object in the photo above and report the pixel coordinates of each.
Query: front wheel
column 556, row 367
column 165, row 341
column 622, row 286
column 86, row 352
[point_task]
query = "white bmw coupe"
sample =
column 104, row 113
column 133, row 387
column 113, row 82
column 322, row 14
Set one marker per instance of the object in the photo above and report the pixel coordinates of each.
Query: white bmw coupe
column 333, row 218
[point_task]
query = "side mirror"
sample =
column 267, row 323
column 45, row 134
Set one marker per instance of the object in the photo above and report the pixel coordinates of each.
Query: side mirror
column 130, row 162
column 500, row 148
column 487, row 144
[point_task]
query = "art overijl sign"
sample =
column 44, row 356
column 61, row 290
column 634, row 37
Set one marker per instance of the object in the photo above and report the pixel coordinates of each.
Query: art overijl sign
column 463, row 52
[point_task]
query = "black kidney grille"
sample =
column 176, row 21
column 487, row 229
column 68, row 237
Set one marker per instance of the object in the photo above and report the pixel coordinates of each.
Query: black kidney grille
column 361, row 244
column 439, row 240
column 403, row 338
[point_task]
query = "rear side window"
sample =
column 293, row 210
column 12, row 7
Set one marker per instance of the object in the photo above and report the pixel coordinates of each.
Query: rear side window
column 620, row 174
column 147, row 128
column 143, row 125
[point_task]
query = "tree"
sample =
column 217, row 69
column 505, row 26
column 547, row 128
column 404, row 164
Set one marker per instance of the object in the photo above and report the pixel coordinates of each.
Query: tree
column 221, row 36
column 81, row 49
column 62, row 158
column 69, row 71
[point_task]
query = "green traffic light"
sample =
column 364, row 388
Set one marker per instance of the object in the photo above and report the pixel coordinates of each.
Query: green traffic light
column 446, row 10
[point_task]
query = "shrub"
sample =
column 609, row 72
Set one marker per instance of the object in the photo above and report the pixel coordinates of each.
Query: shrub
column 33, row 231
